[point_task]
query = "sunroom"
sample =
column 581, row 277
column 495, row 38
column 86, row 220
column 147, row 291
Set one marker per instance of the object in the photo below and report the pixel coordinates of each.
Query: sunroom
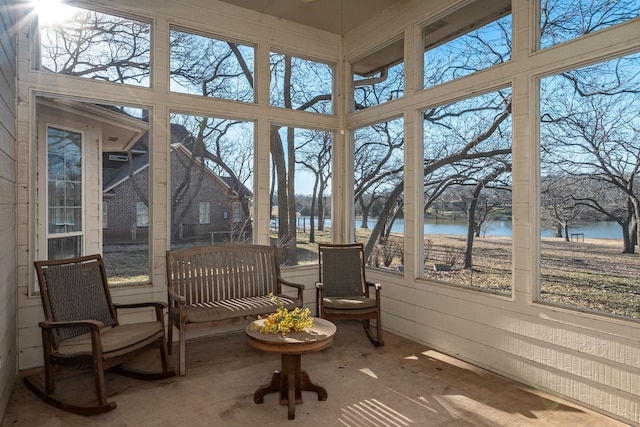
column 485, row 152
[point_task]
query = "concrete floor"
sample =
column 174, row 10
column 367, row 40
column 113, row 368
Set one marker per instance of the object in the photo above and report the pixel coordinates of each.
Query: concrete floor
column 400, row 384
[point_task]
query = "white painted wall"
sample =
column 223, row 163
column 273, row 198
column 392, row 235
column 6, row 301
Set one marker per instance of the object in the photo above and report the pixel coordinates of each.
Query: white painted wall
column 590, row 359
column 8, row 223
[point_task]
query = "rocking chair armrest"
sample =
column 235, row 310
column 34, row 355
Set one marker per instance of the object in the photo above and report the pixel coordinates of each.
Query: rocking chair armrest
column 91, row 324
column 319, row 291
column 378, row 286
column 157, row 304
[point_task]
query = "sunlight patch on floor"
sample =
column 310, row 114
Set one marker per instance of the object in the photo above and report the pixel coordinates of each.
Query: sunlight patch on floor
column 372, row 413
column 369, row 372
column 422, row 401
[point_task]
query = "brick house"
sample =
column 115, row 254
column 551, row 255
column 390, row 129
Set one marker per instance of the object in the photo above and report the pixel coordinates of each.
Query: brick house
column 209, row 209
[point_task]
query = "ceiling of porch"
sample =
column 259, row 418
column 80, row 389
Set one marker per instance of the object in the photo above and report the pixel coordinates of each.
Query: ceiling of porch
column 334, row 16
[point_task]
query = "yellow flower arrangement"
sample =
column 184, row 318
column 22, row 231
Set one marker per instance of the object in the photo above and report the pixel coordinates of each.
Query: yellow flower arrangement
column 284, row 321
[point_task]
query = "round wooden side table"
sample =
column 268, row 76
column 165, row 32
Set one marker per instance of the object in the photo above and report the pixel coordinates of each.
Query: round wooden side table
column 291, row 380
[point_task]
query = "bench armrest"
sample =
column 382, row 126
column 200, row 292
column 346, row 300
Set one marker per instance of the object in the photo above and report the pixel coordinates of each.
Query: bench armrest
column 158, row 306
column 174, row 296
column 298, row 286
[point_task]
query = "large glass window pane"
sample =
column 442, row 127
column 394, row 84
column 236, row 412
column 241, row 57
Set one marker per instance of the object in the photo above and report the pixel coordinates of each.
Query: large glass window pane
column 211, row 162
column 378, row 168
column 210, row 67
column 301, row 84
column 300, row 192
column 469, row 40
column 589, row 174
column 379, row 77
column 467, row 191
column 95, row 45
column 126, row 199
column 563, row 20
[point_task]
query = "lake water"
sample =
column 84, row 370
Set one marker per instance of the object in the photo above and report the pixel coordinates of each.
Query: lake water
column 592, row 229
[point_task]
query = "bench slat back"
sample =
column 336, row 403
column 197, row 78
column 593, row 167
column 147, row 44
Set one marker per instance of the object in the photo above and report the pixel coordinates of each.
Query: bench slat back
column 221, row 272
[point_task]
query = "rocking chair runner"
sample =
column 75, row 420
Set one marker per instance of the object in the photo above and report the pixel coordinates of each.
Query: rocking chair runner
column 81, row 328
column 343, row 291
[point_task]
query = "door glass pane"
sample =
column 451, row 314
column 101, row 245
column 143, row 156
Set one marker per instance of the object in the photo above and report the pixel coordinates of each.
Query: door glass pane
column 64, row 247
column 64, row 185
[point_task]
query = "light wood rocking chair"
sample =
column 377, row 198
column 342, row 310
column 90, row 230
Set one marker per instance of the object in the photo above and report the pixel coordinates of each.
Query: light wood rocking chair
column 342, row 288
column 81, row 328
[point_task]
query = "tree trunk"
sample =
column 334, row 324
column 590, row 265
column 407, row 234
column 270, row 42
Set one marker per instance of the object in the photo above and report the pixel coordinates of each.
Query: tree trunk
column 312, row 214
column 378, row 228
column 277, row 155
column 321, row 207
column 558, row 229
column 364, row 223
column 628, row 247
column 292, row 253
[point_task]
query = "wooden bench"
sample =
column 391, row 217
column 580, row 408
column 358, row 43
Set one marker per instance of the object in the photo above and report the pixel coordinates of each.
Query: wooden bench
column 211, row 284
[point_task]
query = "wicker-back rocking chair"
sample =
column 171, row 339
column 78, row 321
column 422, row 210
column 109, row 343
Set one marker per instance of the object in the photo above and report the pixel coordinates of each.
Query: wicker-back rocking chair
column 81, row 328
column 343, row 290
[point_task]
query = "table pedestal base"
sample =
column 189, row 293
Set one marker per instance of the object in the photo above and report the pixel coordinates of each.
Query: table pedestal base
column 291, row 381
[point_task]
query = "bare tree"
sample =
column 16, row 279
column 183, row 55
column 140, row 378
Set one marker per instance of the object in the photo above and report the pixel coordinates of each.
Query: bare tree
column 557, row 205
column 98, row 46
column 314, row 155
